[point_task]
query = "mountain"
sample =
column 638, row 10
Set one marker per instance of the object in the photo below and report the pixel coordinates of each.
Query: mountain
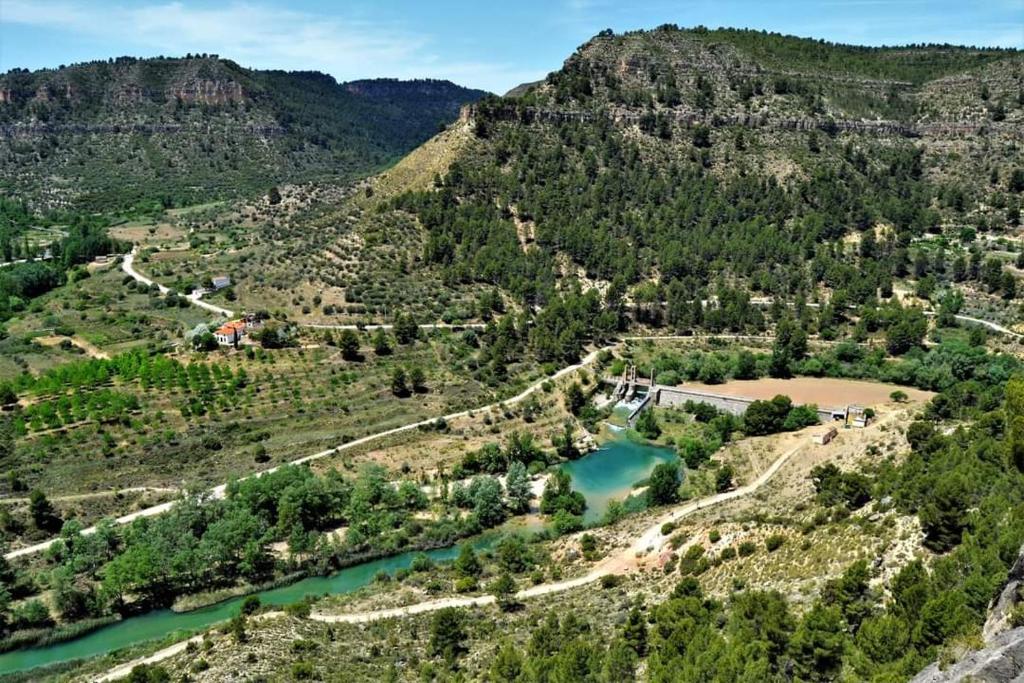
column 689, row 157
column 112, row 133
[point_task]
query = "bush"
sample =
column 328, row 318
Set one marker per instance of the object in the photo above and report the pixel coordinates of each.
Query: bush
column 714, row 536
column 302, row 671
column 250, row 604
column 728, row 553
column 747, row 548
column 465, row 584
column 298, row 609
column 774, row 542
column 610, row 581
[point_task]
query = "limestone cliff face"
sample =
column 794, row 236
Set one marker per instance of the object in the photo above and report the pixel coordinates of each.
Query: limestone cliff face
column 209, row 92
column 1001, row 662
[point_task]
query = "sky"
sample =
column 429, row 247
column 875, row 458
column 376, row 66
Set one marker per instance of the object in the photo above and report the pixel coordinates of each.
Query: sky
column 488, row 44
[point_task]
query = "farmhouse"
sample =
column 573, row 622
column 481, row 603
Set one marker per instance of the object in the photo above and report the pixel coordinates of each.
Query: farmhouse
column 221, row 281
column 230, row 333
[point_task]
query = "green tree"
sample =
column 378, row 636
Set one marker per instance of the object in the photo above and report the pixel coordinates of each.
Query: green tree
column 348, row 342
column 517, row 488
column 466, row 564
column 723, row 478
column 43, row 514
column 418, row 379
column 944, row 514
column 817, row 645
column 503, row 589
column 448, row 634
column 508, row 665
column 647, row 424
column 663, row 484
column 1013, row 407
column 487, row 501
column 405, row 328
column 148, row 673
column 399, row 382
column 381, row 344
column 575, row 399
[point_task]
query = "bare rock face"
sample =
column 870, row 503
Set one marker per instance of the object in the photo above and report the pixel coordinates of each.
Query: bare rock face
column 6, row 96
column 1001, row 662
column 999, row 615
column 203, row 91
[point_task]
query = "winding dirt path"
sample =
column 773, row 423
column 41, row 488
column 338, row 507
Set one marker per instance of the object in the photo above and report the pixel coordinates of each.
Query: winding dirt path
column 195, row 298
column 88, row 347
column 95, row 494
column 648, row 544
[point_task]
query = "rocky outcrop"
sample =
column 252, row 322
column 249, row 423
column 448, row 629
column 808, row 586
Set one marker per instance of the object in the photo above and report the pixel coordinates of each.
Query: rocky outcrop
column 209, row 92
column 688, row 119
column 999, row 615
column 1001, row 662
column 41, row 129
column 6, row 96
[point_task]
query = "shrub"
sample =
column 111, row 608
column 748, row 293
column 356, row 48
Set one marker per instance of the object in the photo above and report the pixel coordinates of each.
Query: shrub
column 610, row 581
column 298, row 609
column 465, row 584
column 774, row 542
column 714, row 536
column 728, row 553
column 302, row 671
column 250, row 604
column 747, row 548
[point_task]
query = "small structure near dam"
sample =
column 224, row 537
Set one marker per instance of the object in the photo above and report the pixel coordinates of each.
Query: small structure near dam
column 638, row 393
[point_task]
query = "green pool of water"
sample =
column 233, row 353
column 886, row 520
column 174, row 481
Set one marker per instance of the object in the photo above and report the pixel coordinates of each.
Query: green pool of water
column 610, row 472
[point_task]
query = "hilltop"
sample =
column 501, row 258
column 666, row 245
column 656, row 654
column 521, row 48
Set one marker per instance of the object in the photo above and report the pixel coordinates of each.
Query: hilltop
column 108, row 134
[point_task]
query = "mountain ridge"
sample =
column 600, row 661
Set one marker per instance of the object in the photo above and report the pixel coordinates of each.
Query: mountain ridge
column 181, row 130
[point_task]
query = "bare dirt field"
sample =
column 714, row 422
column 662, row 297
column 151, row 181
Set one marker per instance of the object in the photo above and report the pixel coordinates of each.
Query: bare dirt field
column 822, row 391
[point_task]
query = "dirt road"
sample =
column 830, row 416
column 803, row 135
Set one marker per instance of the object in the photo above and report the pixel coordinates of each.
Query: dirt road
column 220, row 490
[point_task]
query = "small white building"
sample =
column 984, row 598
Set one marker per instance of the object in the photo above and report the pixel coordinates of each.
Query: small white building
column 221, row 281
column 824, row 436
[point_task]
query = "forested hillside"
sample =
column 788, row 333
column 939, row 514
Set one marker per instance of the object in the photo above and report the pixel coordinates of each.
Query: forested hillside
column 110, row 134
column 669, row 162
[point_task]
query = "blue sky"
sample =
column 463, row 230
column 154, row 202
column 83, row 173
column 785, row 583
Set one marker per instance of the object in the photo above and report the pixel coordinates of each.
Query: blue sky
column 490, row 44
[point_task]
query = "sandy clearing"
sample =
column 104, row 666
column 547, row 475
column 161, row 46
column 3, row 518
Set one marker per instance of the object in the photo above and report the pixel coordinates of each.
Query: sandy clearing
column 90, row 349
column 822, row 391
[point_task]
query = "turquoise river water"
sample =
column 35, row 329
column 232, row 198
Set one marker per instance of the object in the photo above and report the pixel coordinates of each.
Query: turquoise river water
column 606, row 474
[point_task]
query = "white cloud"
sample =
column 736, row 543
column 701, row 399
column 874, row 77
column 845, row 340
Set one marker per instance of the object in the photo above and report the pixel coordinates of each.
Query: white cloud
column 262, row 36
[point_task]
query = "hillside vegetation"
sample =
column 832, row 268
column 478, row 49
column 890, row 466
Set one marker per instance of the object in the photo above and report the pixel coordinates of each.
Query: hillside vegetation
column 110, row 134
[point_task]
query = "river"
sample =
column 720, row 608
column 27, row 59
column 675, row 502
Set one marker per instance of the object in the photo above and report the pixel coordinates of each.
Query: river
column 606, row 474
